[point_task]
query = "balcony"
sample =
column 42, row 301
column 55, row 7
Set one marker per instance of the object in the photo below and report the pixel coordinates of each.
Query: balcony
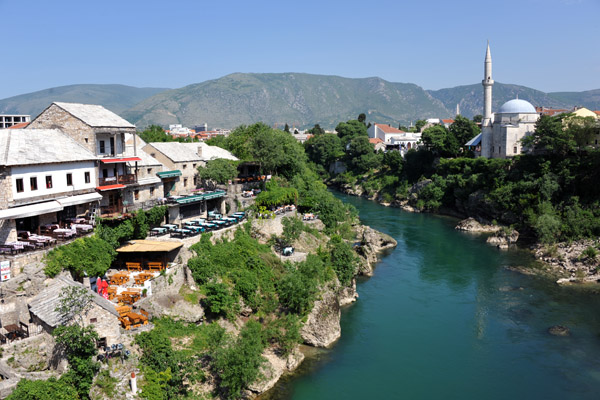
column 117, row 180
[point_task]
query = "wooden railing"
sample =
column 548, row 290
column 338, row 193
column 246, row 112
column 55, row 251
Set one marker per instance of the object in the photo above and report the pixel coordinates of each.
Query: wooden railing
column 119, row 179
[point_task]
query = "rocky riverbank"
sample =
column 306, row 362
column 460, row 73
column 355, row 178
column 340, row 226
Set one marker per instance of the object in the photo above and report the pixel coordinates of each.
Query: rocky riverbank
column 567, row 263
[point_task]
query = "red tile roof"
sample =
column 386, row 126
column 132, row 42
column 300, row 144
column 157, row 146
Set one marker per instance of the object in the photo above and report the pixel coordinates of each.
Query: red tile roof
column 19, row 126
column 388, row 129
column 375, row 140
column 448, row 121
column 597, row 112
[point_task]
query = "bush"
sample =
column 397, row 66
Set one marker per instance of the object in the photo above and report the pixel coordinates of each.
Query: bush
column 90, row 255
column 52, row 389
column 238, row 364
column 219, row 300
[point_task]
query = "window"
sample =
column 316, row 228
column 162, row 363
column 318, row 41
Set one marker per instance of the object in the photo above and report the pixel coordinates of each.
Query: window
column 49, row 182
column 33, row 183
column 152, row 191
column 87, row 177
column 69, row 179
column 515, row 150
column 499, row 149
column 193, row 165
column 184, row 182
column 93, row 320
column 102, row 147
column 86, row 140
column 20, row 187
column 136, row 194
column 184, row 166
column 149, row 170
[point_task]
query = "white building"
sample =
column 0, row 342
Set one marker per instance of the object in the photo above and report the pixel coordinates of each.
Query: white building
column 43, row 185
column 6, row 120
column 501, row 133
column 393, row 137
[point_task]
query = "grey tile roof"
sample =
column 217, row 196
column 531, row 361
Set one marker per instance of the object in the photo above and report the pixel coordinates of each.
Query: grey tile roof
column 94, row 115
column 183, row 152
column 44, row 304
column 147, row 159
column 40, row 146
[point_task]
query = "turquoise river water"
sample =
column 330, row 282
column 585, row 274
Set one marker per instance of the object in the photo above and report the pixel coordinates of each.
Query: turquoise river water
column 443, row 319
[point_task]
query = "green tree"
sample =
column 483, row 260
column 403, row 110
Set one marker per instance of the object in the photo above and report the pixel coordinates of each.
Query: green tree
column 362, row 118
column 155, row 133
column 286, row 128
column 440, row 141
column 324, row 149
column 277, row 152
column 463, row 129
column 219, row 170
column 347, row 131
column 343, row 259
column 478, row 118
column 316, row 130
column 420, row 124
column 550, row 136
column 361, row 156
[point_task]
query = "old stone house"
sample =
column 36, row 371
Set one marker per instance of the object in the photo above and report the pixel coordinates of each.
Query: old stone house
column 41, row 182
column 103, row 315
column 103, row 133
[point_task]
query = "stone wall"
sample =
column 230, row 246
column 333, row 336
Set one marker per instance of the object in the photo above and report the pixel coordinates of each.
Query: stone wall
column 107, row 325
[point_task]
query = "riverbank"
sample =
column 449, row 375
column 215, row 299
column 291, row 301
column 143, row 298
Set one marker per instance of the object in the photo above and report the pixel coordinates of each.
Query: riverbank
column 564, row 262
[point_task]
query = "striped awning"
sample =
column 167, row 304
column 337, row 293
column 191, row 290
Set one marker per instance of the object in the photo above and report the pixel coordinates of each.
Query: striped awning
column 110, row 187
column 119, row 160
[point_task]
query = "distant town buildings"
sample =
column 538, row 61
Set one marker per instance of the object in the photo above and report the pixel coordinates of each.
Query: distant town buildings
column 7, row 120
column 394, row 138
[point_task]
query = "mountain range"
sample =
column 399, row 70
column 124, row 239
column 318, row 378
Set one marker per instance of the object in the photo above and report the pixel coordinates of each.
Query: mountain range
column 298, row 99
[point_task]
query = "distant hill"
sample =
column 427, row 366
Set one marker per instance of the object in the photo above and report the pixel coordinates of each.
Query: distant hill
column 300, row 100
column 470, row 97
column 589, row 99
column 116, row 98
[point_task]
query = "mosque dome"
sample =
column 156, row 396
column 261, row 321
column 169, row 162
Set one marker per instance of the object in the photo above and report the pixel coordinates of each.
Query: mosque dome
column 517, row 106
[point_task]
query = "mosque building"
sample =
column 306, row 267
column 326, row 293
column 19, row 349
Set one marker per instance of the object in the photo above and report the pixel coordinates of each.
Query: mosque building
column 501, row 132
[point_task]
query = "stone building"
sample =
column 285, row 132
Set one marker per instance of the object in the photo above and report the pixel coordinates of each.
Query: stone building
column 46, row 185
column 501, row 133
column 149, row 189
column 103, row 133
column 103, row 315
column 181, row 161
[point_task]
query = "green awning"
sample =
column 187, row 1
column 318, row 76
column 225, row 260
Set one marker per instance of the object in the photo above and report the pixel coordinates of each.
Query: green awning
column 169, row 174
column 200, row 197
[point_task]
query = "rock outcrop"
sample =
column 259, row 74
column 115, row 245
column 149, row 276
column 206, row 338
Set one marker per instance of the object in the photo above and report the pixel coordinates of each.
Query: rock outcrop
column 172, row 304
column 559, row 330
column 322, row 327
column 372, row 243
column 472, row 225
column 503, row 239
column 274, row 367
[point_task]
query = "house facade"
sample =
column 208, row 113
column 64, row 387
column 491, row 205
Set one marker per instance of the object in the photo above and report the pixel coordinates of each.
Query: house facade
column 43, row 187
column 394, row 138
column 102, row 132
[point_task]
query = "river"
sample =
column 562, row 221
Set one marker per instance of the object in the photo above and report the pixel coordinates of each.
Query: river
column 443, row 318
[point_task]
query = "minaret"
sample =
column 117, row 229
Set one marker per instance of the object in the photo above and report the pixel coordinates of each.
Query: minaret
column 487, row 83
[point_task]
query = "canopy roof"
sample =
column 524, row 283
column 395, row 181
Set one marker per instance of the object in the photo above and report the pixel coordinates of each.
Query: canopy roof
column 147, row 246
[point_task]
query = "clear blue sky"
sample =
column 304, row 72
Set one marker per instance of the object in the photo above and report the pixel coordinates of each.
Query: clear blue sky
column 550, row 45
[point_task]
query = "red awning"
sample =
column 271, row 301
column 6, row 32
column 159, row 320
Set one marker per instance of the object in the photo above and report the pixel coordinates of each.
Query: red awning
column 119, row 160
column 110, row 187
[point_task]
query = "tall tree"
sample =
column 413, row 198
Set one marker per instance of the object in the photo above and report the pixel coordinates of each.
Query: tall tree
column 463, row 129
column 346, row 131
column 440, row 141
column 362, row 118
column 286, row 128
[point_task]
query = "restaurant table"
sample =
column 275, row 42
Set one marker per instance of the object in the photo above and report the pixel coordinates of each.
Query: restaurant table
column 158, row 231
column 170, row 227
column 82, row 228
column 136, row 266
